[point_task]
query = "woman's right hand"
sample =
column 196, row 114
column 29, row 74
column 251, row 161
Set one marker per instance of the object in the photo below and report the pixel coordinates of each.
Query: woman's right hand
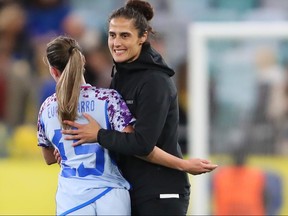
column 83, row 133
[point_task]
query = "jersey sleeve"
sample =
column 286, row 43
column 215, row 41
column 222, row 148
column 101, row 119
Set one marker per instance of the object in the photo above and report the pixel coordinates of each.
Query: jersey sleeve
column 41, row 136
column 118, row 112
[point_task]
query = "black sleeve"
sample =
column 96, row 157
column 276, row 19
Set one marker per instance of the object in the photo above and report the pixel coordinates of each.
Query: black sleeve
column 153, row 102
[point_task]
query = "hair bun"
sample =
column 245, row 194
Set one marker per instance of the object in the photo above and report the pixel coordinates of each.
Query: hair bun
column 142, row 7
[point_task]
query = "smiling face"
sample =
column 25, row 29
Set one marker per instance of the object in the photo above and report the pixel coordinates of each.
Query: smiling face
column 123, row 40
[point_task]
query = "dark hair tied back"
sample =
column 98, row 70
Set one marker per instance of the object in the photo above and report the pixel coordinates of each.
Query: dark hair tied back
column 141, row 12
column 142, row 7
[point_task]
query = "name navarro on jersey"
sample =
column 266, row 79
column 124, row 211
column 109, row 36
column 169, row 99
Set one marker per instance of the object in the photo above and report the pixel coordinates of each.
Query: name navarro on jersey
column 83, row 106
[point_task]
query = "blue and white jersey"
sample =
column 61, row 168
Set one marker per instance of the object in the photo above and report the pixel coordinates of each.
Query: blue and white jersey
column 89, row 162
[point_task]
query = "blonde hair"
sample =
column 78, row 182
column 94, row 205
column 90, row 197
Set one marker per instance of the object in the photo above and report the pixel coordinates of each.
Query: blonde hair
column 64, row 54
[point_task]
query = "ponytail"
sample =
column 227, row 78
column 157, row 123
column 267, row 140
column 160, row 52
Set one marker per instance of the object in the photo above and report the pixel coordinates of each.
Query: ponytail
column 64, row 54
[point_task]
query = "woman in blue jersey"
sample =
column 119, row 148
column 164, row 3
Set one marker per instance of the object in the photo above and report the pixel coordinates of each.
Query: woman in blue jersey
column 90, row 182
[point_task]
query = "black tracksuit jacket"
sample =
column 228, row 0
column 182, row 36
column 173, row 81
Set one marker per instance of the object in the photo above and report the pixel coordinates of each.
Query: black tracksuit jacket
column 150, row 93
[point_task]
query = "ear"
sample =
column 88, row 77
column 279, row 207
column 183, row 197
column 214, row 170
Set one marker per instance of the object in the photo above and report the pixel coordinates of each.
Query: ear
column 143, row 38
column 55, row 73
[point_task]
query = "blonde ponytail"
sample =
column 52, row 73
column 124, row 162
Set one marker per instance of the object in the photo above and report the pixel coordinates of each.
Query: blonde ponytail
column 66, row 55
column 68, row 88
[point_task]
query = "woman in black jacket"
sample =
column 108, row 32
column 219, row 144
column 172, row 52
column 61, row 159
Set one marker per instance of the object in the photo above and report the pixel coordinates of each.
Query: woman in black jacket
column 144, row 80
